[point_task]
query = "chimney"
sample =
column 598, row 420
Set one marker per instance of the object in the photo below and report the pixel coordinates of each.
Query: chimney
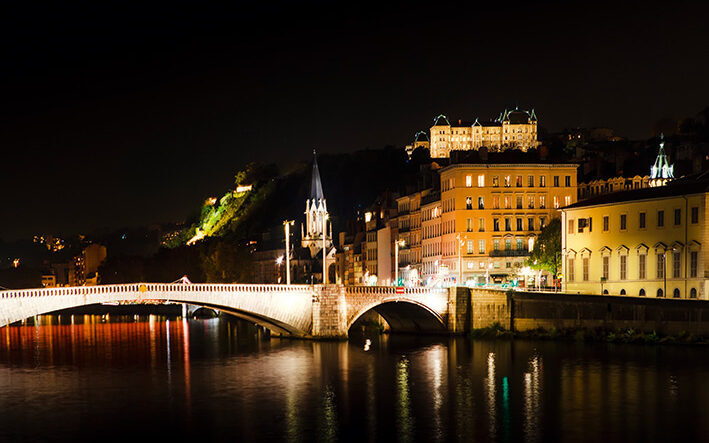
column 460, row 122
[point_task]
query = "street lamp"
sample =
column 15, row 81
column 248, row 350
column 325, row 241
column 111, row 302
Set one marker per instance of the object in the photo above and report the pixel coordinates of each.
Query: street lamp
column 397, row 243
column 460, row 259
column 286, row 226
column 279, row 262
column 324, row 249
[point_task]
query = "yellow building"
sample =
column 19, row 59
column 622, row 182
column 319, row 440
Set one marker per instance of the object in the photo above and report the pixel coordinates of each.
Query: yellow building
column 643, row 242
column 514, row 129
column 492, row 213
column 409, row 235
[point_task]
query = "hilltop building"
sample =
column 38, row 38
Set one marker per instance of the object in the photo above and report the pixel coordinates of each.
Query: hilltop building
column 515, row 129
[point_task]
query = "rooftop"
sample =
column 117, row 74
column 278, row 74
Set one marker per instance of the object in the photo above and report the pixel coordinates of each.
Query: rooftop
column 693, row 184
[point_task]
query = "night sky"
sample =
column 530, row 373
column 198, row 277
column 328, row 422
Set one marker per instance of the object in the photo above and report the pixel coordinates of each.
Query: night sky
column 120, row 114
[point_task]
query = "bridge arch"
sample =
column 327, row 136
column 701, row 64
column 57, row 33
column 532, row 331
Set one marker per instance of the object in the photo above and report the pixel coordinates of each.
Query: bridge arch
column 403, row 315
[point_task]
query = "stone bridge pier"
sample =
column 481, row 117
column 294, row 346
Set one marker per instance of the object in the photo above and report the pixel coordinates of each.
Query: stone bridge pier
column 411, row 310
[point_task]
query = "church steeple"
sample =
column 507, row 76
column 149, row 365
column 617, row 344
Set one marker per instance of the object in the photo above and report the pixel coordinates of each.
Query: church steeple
column 662, row 171
column 316, row 215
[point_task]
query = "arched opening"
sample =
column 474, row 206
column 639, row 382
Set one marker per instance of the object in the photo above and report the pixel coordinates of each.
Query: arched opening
column 622, row 292
column 693, row 293
column 605, row 292
column 402, row 316
column 642, row 293
column 676, row 293
column 660, row 293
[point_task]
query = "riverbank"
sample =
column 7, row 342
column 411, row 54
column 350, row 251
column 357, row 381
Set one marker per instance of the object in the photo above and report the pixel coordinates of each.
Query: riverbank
column 496, row 331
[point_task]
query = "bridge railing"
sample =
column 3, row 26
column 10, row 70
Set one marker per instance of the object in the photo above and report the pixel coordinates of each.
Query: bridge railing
column 150, row 287
column 392, row 290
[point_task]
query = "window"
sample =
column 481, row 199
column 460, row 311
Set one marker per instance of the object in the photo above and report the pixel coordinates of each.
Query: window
column 530, row 181
column 571, row 226
column 481, row 224
column 508, row 224
column 570, row 269
column 518, row 181
column 693, row 262
column 642, row 266
column 556, row 202
column 695, row 217
column 660, row 293
column 606, row 223
column 660, row 219
column 495, row 224
column 606, row 266
column 641, row 293
column 520, row 224
column 507, row 181
column 623, row 267
column 468, row 202
column 530, row 223
column 660, row 265
column 496, row 244
column 470, row 247
column 623, row 220
column 468, row 181
column 481, row 181
column 495, row 181
column 641, row 225
column 542, row 181
column 496, row 202
column 542, row 202
column 542, row 222
column 520, row 244
column 508, row 205
column 622, row 292
column 567, row 200
column 556, row 181
column 530, row 202
column 481, row 203
column 519, row 202
column 469, row 224
column 508, row 244
column 678, row 217
column 693, row 293
column 675, row 293
column 567, row 181
column 481, row 246
column 584, row 263
column 676, row 260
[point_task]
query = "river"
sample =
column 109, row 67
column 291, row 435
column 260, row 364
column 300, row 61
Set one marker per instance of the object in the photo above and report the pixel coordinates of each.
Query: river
column 99, row 378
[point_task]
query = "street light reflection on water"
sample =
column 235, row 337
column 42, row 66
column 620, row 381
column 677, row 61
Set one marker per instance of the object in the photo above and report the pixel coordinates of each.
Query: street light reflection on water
column 219, row 379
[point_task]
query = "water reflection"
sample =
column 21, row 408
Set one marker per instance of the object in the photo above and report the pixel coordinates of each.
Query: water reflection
column 215, row 379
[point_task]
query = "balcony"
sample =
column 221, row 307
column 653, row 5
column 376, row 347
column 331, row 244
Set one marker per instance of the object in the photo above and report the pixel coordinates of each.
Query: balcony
column 509, row 253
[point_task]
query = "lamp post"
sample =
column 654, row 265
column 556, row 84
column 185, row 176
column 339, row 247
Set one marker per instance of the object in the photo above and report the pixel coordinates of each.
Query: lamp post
column 279, row 262
column 396, row 260
column 286, row 226
column 324, row 249
column 460, row 260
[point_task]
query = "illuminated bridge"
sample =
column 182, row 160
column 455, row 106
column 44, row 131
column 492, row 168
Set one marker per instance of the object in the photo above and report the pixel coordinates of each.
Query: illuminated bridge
column 318, row 311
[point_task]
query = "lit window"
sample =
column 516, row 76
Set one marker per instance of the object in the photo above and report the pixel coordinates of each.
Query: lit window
column 481, row 181
column 468, row 181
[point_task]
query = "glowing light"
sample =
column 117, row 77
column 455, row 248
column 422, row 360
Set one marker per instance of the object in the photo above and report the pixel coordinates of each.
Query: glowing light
column 244, row 188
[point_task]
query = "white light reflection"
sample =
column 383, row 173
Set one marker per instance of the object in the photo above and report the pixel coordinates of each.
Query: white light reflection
column 532, row 400
column 490, row 384
column 436, row 360
column 367, row 344
column 405, row 420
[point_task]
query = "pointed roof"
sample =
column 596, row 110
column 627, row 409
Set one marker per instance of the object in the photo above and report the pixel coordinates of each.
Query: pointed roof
column 662, row 167
column 315, row 184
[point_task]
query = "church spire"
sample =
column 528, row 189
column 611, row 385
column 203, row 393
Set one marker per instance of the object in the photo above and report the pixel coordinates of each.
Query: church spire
column 316, row 192
column 662, row 171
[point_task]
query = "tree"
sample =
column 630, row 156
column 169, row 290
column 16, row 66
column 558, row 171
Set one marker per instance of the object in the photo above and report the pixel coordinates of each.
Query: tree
column 546, row 254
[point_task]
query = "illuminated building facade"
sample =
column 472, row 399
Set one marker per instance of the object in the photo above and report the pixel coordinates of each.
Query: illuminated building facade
column 644, row 242
column 516, row 129
column 485, row 218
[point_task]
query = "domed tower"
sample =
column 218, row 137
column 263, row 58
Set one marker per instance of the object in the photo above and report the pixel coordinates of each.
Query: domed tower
column 317, row 218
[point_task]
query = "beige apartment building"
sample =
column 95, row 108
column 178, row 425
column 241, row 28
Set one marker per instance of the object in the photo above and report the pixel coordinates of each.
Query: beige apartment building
column 644, row 242
column 516, row 129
